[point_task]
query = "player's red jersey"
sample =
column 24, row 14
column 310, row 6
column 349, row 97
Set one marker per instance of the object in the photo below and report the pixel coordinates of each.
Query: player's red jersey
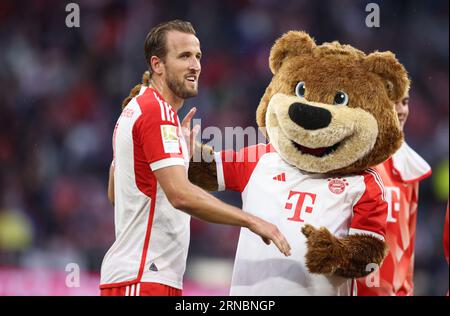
column 401, row 175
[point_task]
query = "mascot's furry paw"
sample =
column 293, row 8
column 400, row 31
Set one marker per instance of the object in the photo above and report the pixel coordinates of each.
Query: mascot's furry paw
column 325, row 251
column 347, row 257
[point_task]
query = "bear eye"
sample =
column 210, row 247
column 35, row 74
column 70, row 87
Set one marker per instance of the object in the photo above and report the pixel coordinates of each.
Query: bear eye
column 341, row 98
column 300, row 89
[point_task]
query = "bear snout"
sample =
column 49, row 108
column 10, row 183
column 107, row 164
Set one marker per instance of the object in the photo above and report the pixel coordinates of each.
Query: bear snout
column 309, row 117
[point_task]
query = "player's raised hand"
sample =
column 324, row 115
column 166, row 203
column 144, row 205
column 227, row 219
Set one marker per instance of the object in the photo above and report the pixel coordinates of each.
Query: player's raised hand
column 269, row 232
column 190, row 135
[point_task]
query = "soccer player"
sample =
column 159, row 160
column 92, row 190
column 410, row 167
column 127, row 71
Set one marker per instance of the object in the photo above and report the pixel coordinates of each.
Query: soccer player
column 401, row 175
column 150, row 176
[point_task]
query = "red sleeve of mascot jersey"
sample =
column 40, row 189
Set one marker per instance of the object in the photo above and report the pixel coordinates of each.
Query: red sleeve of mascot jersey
column 234, row 169
column 370, row 211
column 157, row 131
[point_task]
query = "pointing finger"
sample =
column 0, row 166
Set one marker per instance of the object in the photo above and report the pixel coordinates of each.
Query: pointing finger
column 187, row 119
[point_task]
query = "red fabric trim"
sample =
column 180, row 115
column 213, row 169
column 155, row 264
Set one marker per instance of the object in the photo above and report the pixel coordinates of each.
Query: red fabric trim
column 118, row 284
column 147, row 233
column 144, row 177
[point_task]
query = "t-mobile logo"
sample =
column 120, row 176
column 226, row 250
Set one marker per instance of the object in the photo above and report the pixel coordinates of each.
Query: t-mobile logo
column 301, row 201
column 393, row 201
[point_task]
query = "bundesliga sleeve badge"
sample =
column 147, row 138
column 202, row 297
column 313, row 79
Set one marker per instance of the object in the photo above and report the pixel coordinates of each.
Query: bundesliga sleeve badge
column 170, row 139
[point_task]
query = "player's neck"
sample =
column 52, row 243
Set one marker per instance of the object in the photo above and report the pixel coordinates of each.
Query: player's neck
column 167, row 94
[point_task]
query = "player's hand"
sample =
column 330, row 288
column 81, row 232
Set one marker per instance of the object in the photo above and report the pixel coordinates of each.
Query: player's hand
column 190, row 135
column 269, row 232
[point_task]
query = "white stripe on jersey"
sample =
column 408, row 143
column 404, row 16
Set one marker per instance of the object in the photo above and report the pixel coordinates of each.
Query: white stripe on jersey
column 378, row 181
column 381, row 184
column 355, row 288
column 127, row 290
column 161, row 106
column 354, row 231
column 132, row 290
column 142, row 90
column 138, row 289
column 168, row 112
column 167, row 162
column 219, row 169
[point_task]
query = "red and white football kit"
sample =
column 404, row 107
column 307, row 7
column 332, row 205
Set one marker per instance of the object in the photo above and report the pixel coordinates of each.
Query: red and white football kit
column 290, row 198
column 152, row 237
column 401, row 175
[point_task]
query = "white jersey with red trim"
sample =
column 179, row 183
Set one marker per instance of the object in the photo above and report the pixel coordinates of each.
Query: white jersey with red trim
column 290, row 198
column 152, row 237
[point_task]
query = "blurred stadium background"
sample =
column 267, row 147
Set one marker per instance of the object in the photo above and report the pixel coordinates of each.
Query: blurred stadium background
column 61, row 90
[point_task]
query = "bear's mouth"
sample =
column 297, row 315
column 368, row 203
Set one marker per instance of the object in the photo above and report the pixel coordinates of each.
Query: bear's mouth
column 316, row 152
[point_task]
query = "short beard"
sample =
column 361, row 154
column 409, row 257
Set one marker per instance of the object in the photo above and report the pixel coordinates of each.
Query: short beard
column 179, row 89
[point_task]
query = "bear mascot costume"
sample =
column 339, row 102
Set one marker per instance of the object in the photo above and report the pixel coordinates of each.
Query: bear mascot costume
column 328, row 114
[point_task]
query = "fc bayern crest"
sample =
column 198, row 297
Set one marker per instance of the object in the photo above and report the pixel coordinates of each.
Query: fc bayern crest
column 337, row 185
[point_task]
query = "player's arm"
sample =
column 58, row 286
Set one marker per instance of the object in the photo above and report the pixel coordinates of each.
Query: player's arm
column 193, row 200
column 111, row 184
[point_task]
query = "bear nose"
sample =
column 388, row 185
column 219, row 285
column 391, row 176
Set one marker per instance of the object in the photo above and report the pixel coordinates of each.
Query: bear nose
column 309, row 117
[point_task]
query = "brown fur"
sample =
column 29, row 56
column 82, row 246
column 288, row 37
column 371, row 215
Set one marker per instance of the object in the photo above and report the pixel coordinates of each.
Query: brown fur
column 373, row 83
column 347, row 257
column 203, row 173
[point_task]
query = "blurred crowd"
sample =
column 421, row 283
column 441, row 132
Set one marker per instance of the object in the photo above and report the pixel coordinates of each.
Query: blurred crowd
column 61, row 89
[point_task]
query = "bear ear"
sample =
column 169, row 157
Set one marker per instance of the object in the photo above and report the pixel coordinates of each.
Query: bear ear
column 291, row 43
column 391, row 71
